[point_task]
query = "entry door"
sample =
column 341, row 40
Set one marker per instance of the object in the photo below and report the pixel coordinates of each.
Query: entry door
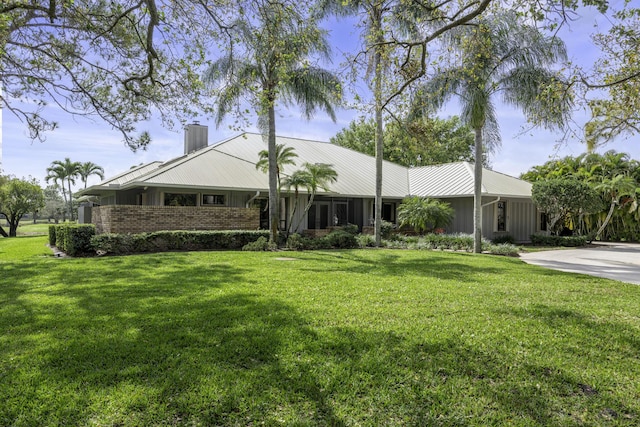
column 341, row 212
column 318, row 216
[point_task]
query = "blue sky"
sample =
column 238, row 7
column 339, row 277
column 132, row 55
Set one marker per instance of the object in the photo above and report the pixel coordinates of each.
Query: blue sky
column 84, row 140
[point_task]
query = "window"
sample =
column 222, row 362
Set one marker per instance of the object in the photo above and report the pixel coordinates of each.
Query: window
column 501, row 216
column 213, row 199
column 178, row 199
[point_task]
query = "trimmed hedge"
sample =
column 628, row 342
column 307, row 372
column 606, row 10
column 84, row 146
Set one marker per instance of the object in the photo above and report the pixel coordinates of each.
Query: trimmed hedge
column 161, row 241
column 566, row 241
column 72, row 239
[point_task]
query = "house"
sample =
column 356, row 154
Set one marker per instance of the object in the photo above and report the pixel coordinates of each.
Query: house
column 218, row 187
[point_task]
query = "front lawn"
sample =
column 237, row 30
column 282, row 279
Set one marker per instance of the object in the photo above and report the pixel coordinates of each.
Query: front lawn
column 361, row 337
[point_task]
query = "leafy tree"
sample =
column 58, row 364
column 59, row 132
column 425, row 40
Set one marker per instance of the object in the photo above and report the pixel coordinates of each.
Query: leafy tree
column 418, row 143
column 277, row 40
column 54, row 205
column 17, row 198
column 119, row 61
column 617, row 74
column 424, row 214
column 86, row 169
column 501, row 54
column 564, row 200
column 61, row 171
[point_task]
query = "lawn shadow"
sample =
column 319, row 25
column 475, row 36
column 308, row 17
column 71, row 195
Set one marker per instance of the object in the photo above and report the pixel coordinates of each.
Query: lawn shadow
column 435, row 264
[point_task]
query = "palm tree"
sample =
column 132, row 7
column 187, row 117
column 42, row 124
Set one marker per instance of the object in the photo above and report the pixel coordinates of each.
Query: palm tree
column 274, row 68
column 61, row 171
column 87, row 169
column 284, row 156
column 500, row 54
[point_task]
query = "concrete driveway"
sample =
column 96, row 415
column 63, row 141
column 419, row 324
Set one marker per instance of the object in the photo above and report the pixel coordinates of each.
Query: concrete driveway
column 617, row 261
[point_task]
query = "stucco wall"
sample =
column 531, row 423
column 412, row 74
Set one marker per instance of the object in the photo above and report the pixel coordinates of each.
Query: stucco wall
column 138, row 219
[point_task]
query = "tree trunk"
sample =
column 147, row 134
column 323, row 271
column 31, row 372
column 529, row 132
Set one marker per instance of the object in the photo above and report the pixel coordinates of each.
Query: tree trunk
column 377, row 64
column 3, row 233
column 477, row 193
column 274, row 203
column 606, row 220
column 70, row 200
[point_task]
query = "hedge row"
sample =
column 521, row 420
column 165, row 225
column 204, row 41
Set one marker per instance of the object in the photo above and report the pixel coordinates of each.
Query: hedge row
column 72, row 239
column 160, row 241
column 568, row 241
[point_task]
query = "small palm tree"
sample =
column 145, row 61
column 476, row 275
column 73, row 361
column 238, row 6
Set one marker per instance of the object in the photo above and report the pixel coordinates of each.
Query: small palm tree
column 61, row 171
column 284, row 156
column 424, row 214
column 275, row 69
column 500, row 54
column 87, row 169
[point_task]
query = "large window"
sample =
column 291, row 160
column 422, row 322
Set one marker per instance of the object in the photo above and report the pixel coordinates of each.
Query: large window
column 180, row 199
column 213, row 200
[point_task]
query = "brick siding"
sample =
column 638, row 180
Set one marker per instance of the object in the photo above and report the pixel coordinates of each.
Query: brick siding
column 139, row 219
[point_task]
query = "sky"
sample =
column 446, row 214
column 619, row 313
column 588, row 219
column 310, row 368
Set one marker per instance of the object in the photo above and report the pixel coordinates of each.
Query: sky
column 85, row 140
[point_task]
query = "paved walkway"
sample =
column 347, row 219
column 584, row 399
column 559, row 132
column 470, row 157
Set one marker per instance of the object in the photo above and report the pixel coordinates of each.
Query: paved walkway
column 618, row 261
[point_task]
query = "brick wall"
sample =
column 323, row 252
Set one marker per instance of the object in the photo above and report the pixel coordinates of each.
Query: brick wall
column 138, row 219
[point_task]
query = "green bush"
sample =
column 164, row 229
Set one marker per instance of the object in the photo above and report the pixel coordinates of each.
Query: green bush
column 296, row 242
column 365, row 240
column 351, row 229
column 161, row 241
column 73, row 239
column 340, row 239
column 506, row 238
column 52, row 235
column 506, row 249
column 262, row 244
column 565, row 241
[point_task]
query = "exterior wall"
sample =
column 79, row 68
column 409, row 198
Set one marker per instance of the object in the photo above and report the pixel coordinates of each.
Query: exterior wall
column 138, row 219
column 522, row 218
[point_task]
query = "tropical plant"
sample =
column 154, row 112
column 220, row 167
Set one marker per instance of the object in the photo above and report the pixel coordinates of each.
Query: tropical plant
column 501, row 54
column 86, row 169
column 312, row 177
column 62, row 171
column 277, row 43
column 424, row 214
column 284, row 156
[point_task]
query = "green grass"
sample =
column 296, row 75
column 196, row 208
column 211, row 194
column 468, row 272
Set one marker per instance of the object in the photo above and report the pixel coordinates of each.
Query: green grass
column 363, row 337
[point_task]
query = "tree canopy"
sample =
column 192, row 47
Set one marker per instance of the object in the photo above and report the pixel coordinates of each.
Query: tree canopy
column 17, row 198
column 417, row 143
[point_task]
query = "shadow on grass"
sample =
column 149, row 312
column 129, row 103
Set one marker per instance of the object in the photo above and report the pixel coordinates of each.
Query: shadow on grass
column 434, row 264
column 131, row 343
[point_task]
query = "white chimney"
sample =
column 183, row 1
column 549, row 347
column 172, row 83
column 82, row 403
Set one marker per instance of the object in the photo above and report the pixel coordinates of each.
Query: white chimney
column 196, row 137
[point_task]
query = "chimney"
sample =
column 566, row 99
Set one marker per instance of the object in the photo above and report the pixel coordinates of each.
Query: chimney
column 196, row 137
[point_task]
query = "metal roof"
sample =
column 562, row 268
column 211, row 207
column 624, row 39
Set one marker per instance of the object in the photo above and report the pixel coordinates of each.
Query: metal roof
column 456, row 180
column 356, row 171
column 230, row 165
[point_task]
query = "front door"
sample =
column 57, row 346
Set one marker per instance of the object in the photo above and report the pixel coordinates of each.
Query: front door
column 318, row 216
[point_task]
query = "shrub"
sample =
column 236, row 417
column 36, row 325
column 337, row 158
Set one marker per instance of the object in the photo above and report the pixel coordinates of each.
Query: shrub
column 340, row 239
column 296, row 242
column 73, row 239
column 262, row 244
column 386, row 229
column 424, row 214
column 565, row 241
column 506, row 249
column 365, row 240
column 351, row 229
column 52, row 235
column 506, row 238
column 160, row 241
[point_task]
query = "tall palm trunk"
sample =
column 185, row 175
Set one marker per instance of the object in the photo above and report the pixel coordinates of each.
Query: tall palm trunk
column 377, row 64
column 477, row 193
column 607, row 219
column 274, row 203
column 70, row 199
